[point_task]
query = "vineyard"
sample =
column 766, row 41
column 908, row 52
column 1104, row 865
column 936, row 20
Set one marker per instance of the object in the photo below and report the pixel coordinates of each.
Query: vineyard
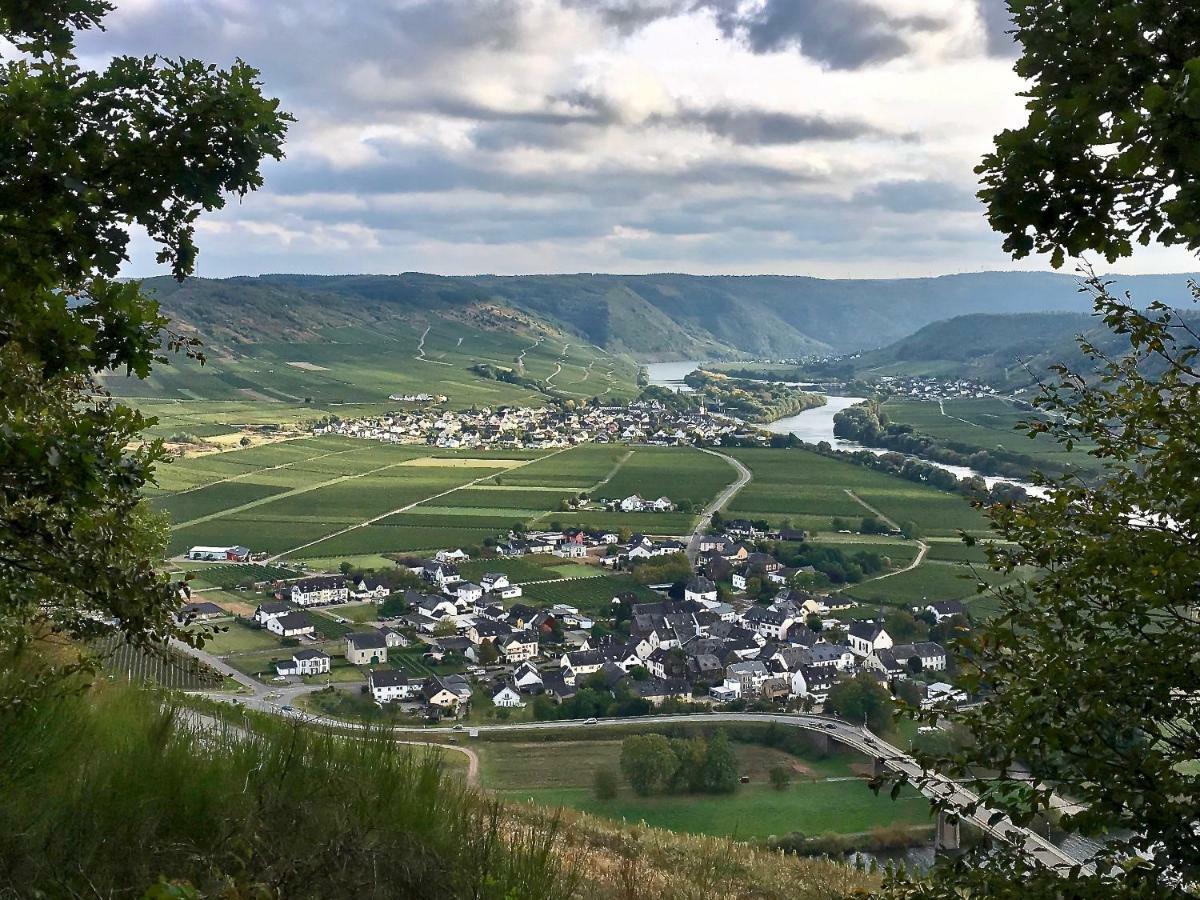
column 165, row 667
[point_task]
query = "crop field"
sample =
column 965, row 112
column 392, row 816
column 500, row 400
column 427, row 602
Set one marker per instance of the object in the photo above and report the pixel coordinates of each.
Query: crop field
column 667, row 524
column 591, row 595
column 239, row 638
column 987, row 423
column 930, row 581
column 580, row 468
column 230, row 575
column 686, row 475
column 168, row 668
column 811, row 490
column 519, row 569
column 280, row 497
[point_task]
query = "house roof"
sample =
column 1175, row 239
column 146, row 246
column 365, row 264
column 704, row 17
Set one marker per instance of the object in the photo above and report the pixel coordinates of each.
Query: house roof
column 366, row 640
column 867, row 631
column 310, row 654
column 387, row 678
column 294, row 621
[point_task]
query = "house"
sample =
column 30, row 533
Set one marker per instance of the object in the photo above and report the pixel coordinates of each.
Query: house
column 738, row 580
column 494, row 581
column 864, row 638
column 270, row 610
column 438, row 572
column 518, row 647
column 466, row 592
column 319, row 591
column 392, row 637
column 813, row 681
column 940, row 692
column 199, row 611
column 945, row 609
column 445, row 695
column 746, row 677
column 451, row 556
column 762, row 562
column 304, row 662
column 373, row 590
column 365, row 648
column 291, row 625
column 507, row 697
column 387, row 685
column 632, row 504
column 527, row 678
column 772, row 624
column 220, row 554
column 932, row 656
column 700, row 588
column 723, row 693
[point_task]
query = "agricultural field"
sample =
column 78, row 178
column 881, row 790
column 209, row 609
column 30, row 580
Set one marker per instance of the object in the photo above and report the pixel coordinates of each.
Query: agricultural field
column 231, row 575
column 987, row 423
column 581, row 468
column 560, row 774
column 689, row 477
column 810, row 490
column 928, row 582
column 519, row 569
column 590, row 595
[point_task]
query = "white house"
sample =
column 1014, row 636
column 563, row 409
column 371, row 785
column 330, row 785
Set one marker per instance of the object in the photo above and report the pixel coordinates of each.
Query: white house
column 270, row 610
column 373, row 590
column 451, row 556
column 518, row 647
column 526, row 677
column 387, row 685
column 506, row 697
column 319, row 591
column 945, row 609
column 700, row 589
column 633, row 503
column 864, row 638
column 941, row 692
column 494, row 581
column 813, row 681
column 291, row 625
column 738, row 580
column 466, row 592
column 304, row 662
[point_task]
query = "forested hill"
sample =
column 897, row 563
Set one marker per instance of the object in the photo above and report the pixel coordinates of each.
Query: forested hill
column 648, row 315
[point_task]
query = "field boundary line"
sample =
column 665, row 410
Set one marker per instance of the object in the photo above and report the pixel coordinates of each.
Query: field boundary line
column 406, row 507
column 256, row 471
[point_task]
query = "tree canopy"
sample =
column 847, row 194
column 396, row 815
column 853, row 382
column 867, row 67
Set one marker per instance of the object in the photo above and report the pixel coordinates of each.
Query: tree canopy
column 85, row 155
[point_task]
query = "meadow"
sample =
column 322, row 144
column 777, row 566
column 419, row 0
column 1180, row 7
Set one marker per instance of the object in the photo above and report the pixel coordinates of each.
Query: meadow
column 560, row 775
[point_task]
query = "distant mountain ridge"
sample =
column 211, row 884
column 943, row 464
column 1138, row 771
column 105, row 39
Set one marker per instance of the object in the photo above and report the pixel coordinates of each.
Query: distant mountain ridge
column 650, row 316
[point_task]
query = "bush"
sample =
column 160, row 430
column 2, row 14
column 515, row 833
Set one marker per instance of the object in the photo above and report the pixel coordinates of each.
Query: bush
column 781, row 777
column 604, row 783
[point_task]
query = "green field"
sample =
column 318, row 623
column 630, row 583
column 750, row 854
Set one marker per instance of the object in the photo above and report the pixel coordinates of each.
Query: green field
column 988, row 423
column 930, row 581
column 559, row 774
column 687, row 476
column 591, row 595
column 811, row 490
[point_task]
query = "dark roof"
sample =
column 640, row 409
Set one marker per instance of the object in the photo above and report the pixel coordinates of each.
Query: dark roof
column 200, row 607
column 700, row 585
column 366, row 640
column 293, row 621
column 388, row 678
column 868, row 631
column 310, row 654
column 274, row 606
column 324, row 583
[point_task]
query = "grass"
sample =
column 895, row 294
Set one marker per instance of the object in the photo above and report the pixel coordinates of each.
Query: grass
column 687, row 476
column 928, row 582
column 235, row 574
column 519, row 569
column 239, row 638
column 591, row 595
column 116, row 789
column 356, row 612
column 560, row 774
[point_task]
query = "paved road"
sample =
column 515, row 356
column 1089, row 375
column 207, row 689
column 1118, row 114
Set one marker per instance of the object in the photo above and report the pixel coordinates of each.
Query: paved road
column 860, row 739
column 743, row 479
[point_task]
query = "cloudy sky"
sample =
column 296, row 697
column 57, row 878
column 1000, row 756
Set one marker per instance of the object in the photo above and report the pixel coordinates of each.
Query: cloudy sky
column 825, row 137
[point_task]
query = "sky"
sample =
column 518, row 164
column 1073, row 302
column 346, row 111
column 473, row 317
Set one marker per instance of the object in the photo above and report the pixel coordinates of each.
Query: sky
column 824, row 137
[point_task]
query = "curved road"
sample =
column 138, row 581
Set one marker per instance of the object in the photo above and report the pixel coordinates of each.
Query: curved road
column 889, row 757
column 743, row 479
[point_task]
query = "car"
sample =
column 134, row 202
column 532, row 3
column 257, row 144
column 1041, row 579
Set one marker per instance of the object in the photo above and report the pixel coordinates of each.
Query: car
column 829, row 726
column 591, row 721
column 458, row 728
column 288, row 708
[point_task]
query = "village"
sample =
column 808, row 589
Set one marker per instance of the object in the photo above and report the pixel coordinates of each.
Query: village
column 642, row 421
column 701, row 642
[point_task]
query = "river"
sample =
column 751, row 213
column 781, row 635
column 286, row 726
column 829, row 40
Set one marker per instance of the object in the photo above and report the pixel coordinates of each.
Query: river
column 815, row 425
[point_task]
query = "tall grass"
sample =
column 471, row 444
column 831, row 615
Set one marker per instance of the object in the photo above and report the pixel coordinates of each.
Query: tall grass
column 104, row 793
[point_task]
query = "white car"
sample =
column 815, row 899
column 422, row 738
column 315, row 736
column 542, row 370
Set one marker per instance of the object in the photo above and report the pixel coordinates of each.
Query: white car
column 591, row 721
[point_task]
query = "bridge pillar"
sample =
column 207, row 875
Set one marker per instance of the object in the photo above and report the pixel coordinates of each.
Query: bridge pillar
column 949, row 834
column 879, row 769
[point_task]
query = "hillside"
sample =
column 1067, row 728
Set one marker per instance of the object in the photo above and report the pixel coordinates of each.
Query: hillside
column 647, row 315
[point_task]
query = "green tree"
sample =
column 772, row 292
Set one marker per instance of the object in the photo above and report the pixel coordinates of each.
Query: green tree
column 1090, row 666
column 604, row 783
column 84, row 156
column 720, row 771
column 648, row 763
column 488, row 654
column 860, row 699
column 781, row 777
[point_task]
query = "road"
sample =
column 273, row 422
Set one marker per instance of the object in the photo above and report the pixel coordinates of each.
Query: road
column 743, row 479
column 860, row 739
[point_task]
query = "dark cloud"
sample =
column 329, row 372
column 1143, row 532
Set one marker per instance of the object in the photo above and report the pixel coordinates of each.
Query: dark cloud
column 997, row 24
column 760, row 127
column 917, row 195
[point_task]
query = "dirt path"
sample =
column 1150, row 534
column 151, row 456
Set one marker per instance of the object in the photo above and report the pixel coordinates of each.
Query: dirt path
column 285, row 465
column 421, row 349
column 471, row 755
column 922, row 547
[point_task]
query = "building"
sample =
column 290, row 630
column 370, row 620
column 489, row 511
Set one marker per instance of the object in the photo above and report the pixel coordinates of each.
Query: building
column 945, row 609
column 700, row 589
column 291, row 625
column 373, row 590
column 864, row 638
column 319, row 591
column 389, row 685
column 270, row 610
column 219, row 554
column 304, row 662
column 199, row 611
column 506, row 698
column 366, row 648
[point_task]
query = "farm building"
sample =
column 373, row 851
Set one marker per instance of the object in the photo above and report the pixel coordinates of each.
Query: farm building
column 219, row 554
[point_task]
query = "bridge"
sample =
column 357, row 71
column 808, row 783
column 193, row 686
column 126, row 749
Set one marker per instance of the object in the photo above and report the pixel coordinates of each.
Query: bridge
column 887, row 759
